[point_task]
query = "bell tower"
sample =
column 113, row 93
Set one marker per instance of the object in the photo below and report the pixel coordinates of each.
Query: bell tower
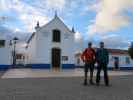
column 37, row 25
column 73, row 30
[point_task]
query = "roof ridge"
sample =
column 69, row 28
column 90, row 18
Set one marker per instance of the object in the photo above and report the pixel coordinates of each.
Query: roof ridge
column 55, row 19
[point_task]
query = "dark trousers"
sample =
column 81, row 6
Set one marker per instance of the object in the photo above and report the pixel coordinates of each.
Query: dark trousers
column 99, row 68
column 90, row 66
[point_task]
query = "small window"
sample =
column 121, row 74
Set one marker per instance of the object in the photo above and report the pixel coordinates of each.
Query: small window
column 18, row 56
column 127, row 60
column 2, row 43
column 56, row 36
column 114, row 58
column 65, row 58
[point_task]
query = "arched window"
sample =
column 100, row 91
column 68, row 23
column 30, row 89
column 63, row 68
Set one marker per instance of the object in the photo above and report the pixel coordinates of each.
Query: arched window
column 56, row 36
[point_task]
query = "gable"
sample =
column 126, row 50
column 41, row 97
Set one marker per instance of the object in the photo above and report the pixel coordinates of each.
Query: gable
column 56, row 23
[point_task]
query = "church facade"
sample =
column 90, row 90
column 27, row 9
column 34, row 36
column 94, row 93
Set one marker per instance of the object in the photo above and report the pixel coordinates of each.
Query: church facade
column 51, row 46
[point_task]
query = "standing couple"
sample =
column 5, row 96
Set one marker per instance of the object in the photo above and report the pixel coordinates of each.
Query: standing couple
column 90, row 57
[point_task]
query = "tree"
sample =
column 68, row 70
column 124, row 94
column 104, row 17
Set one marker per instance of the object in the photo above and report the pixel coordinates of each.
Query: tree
column 130, row 50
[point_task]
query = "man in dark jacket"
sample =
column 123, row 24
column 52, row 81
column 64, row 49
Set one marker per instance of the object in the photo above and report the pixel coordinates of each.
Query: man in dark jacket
column 102, row 58
column 88, row 57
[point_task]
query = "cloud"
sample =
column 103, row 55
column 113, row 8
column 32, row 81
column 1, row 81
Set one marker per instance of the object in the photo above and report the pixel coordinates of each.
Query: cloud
column 5, row 30
column 17, row 30
column 26, row 14
column 110, row 40
column 31, row 20
column 115, row 41
column 55, row 4
column 79, row 43
column 110, row 15
column 4, row 6
column 29, row 12
column 30, row 15
column 49, row 4
column 78, row 36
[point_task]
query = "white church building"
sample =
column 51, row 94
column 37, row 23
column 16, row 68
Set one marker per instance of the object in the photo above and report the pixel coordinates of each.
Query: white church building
column 51, row 46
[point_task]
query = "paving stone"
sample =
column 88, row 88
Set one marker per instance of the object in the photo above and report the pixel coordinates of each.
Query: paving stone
column 67, row 88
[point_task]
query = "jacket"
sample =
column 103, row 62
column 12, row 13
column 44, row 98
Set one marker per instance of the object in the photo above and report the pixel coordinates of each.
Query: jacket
column 102, row 55
column 88, row 55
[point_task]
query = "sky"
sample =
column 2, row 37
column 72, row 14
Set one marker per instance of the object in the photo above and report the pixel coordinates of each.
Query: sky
column 110, row 21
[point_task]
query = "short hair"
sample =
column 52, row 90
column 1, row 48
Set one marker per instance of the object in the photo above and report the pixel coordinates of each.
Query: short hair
column 101, row 42
column 89, row 44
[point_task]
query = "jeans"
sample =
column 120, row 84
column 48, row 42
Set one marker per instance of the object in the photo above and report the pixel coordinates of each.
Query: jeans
column 89, row 65
column 99, row 68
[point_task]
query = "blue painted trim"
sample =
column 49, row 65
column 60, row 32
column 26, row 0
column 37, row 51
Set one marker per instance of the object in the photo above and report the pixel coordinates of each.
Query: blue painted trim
column 47, row 66
column 5, row 67
column 39, row 66
column 68, row 66
column 126, row 68
column 121, row 68
column 111, row 68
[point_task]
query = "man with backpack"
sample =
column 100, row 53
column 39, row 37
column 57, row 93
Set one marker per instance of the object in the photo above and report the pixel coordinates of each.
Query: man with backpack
column 88, row 57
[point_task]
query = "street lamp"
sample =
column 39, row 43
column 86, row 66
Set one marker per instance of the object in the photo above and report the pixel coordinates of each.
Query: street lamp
column 13, row 42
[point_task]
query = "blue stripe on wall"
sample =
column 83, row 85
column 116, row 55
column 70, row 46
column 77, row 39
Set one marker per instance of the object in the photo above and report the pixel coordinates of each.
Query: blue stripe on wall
column 68, row 66
column 39, row 66
column 47, row 66
column 126, row 68
column 5, row 67
column 121, row 68
column 110, row 68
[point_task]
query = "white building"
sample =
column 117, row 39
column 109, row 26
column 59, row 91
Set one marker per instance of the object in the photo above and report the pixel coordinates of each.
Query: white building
column 5, row 53
column 122, row 56
column 51, row 46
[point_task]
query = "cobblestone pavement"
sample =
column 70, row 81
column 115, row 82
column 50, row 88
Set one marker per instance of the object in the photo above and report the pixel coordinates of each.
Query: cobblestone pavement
column 67, row 88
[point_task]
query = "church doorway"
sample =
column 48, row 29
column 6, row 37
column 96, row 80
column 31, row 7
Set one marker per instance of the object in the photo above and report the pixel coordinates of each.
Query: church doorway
column 56, row 58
